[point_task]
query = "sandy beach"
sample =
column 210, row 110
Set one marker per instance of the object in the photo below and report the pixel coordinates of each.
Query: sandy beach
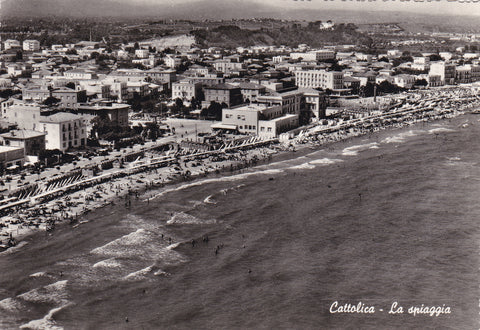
column 66, row 204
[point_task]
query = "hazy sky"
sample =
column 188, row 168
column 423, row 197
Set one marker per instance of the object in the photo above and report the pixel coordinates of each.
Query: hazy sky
column 458, row 7
column 89, row 7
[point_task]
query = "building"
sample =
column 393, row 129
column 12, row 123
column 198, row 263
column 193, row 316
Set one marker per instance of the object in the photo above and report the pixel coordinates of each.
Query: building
column 64, row 131
column 315, row 103
column 32, row 142
column 404, row 80
column 11, row 156
column 5, row 104
column 319, row 79
column 421, row 63
column 314, row 56
column 251, row 91
column 11, row 44
column 257, row 119
column 463, row 74
column 173, row 61
column 291, row 102
column 227, row 65
column 185, row 90
column 445, row 70
column 31, row 45
column 434, row 80
column 352, row 83
column 79, row 74
column 142, row 53
column 223, row 93
column 68, row 98
column 24, row 116
column 116, row 113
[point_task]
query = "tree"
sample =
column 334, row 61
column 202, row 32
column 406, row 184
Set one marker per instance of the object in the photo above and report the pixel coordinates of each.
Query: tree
column 214, row 110
column 421, row 82
column 72, row 51
column 435, row 57
column 70, row 84
column 367, row 91
column 50, row 101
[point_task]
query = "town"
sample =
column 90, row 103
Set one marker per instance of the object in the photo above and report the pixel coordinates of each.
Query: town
column 121, row 116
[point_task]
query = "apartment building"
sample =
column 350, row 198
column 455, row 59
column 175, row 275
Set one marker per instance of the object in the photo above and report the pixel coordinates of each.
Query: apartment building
column 185, row 90
column 319, row 79
column 31, row 45
column 64, row 131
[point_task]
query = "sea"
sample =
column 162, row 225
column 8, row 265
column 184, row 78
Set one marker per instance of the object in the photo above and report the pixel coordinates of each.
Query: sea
column 388, row 220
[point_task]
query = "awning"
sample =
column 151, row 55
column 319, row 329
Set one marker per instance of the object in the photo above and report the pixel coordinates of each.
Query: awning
column 223, row 126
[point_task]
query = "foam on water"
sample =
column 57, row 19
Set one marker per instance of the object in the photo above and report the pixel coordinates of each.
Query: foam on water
column 134, row 238
column 399, row 138
column 187, row 219
column 39, row 274
column 15, row 248
column 440, row 130
column 304, row 166
column 52, row 293
column 108, row 263
column 235, row 177
column 139, row 274
column 326, row 161
column 47, row 322
column 208, row 200
column 11, row 305
column 354, row 150
column 161, row 273
column 137, row 246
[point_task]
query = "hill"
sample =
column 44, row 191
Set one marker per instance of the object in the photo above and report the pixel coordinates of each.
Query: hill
column 231, row 36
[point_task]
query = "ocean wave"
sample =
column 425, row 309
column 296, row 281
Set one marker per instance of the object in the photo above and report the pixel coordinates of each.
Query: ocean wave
column 235, row 177
column 304, row 166
column 15, row 248
column 326, row 161
column 138, row 245
column 440, row 130
column 11, row 305
column 399, row 138
column 354, row 150
column 39, row 274
column 47, row 322
column 187, row 219
column 139, row 274
column 119, row 245
column 52, row 293
column 108, row 263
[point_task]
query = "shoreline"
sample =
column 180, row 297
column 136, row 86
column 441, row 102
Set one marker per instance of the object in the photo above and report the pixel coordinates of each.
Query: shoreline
column 69, row 207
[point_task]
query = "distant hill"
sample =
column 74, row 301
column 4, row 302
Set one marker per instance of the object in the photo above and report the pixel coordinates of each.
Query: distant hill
column 230, row 9
column 233, row 36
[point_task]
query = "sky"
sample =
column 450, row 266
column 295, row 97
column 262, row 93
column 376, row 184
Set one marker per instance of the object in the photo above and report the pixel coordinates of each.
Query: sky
column 447, row 7
column 243, row 7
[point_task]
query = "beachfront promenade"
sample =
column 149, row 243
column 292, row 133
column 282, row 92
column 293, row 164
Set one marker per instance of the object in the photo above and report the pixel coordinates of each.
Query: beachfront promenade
column 163, row 162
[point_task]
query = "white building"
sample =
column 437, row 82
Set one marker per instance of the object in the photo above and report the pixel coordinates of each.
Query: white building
column 64, row 130
column 258, row 119
column 31, row 45
column 313, row 56
column 142, row 53
column 319, row 79
column 11, row 43
column 185, row 90
column 172, row 61
column 445, row 70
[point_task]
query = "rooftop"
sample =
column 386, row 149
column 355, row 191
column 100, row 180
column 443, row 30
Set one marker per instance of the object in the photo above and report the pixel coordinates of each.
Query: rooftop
column 60, row 117
column 21, row 134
